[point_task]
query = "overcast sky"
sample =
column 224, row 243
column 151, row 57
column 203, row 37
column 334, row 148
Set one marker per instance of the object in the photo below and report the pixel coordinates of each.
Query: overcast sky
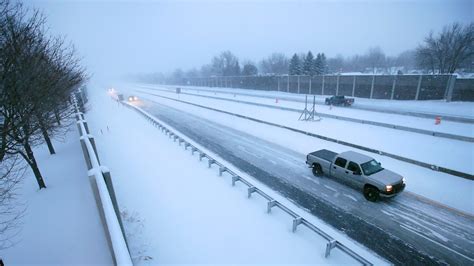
column 116, row 37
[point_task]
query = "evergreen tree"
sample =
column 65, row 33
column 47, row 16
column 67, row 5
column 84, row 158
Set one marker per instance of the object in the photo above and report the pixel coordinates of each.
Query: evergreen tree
column 295, row 65
column 318, row 65
column 324, row 64
column 308, row 64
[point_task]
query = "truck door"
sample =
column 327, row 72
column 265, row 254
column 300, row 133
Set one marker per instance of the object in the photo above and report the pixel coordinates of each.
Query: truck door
column 354, row 174
column 339, row 168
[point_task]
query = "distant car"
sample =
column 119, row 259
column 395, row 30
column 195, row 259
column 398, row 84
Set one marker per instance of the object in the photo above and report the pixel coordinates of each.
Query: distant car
column 132, row 98
column 339, row 100
column 357, row 170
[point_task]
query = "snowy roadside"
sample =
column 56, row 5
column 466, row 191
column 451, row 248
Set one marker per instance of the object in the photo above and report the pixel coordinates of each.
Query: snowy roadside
column 61, row 225
column 176, row 210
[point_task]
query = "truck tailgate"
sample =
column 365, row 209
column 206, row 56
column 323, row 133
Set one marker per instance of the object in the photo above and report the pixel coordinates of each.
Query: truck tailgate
column 325, row 154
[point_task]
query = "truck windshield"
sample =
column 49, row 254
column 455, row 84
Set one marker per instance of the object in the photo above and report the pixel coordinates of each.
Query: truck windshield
column 371, row 167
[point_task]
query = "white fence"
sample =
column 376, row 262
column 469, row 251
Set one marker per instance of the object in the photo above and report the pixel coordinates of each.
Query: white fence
column 105, row 196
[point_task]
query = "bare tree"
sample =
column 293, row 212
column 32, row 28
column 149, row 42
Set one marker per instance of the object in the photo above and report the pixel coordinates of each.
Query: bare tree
column 11, row 210
column 37, row 75
column 275, row 64
column 445, row 52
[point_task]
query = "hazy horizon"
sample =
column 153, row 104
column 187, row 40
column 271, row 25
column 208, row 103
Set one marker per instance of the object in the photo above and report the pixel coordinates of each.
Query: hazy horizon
column 120, row 37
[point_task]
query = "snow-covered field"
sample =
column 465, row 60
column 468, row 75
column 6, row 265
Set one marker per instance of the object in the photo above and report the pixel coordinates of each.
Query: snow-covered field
column 443, row 188
column 61, row 225
column 176, row 210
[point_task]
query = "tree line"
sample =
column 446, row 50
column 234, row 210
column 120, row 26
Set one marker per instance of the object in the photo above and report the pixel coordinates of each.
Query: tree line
column 38, row 74
column 443, row 53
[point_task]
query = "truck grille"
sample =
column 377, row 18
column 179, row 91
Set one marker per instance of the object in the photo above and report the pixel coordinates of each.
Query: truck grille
column 398, row 187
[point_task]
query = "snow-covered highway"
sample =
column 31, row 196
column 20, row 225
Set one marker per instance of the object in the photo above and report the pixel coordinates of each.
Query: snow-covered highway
column 438, row 234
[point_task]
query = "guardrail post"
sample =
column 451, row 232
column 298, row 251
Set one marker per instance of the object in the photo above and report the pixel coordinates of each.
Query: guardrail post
column 235, row 178
column 91, row 139
column 296, row 222
column 270, row 205
column 202, row 155
column 210, row 162
column 193, row 149
column 86, row 154
column 329, row 246
column 108, row 182
column 186, row 145
column 221, row 170
column 251, row 190
column 180, row 140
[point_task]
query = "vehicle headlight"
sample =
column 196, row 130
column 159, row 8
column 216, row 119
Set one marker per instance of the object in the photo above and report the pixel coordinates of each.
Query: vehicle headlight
column 388, row 188
column 404, row 180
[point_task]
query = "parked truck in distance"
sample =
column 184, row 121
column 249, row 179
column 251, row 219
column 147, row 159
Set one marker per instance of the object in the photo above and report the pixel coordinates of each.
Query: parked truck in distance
column 357, row 170
column 339, row 100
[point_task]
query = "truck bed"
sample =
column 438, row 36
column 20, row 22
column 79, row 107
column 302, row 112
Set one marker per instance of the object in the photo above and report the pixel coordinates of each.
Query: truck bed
column 324, row 154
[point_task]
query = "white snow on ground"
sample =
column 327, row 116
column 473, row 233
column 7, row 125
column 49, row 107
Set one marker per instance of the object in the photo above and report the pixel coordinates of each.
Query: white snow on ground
column 435, row 107
column 381, row 138
column 177, row 210
column 446, row 189
column 62, row 225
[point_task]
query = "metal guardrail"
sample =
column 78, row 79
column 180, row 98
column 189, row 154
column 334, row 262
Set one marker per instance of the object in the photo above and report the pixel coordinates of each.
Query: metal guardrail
column 251, row 189
column 345, row 143
column 338, row 117
column 104, row 193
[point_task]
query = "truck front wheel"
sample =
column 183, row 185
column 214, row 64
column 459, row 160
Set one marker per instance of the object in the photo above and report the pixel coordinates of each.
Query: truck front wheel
column 371, row 193
column 317, row 170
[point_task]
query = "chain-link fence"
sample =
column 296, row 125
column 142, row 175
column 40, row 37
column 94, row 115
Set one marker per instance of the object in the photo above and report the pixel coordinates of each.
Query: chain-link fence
column 392, row 87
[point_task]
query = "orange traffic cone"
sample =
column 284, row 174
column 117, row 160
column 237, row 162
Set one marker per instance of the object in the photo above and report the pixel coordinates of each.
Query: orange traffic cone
column 437, row 120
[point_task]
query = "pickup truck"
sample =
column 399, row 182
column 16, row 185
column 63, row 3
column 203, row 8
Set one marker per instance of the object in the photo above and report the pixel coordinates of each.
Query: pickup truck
column 339, row 100
column 357, row 170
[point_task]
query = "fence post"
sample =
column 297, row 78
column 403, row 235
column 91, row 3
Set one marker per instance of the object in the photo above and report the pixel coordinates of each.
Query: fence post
column 372, row 87
column 337, row 84
column 310, row 78
column 450, row 88
column 393, row 87
column 322, row 87
column 278, row 83
column 353, row 86
column 288, row 84
column 418, row 87
column 298, row 84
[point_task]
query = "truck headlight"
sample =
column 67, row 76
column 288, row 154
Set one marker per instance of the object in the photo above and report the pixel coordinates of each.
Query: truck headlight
column 404, row 180
column 388, row 188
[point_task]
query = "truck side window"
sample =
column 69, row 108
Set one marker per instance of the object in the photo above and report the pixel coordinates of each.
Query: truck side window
column 353, row 167
column 341, row 162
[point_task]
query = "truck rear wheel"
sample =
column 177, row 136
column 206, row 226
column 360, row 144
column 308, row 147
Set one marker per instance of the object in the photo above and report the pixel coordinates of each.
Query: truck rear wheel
column 371, row 193
column 317, row 170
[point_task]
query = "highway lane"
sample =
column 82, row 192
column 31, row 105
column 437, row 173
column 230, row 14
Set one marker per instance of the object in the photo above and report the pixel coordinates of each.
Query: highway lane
column 403, row 230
